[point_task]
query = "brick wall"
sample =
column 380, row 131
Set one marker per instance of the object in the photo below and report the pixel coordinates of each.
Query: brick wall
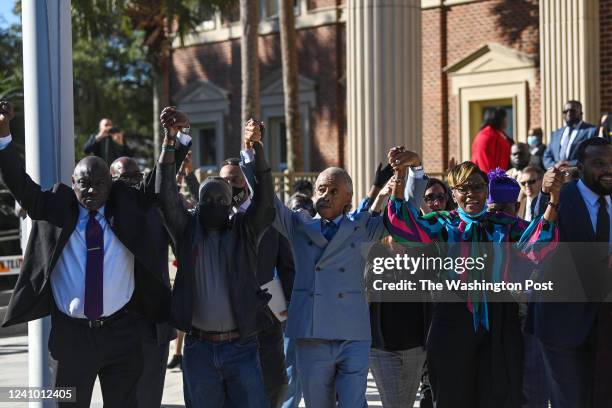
column 605, row 27
column 318, row 60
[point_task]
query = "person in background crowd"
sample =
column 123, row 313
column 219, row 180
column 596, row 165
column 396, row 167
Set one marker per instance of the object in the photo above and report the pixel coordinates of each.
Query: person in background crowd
column 301, row 202
column 531, row 183
column 536, row 147
column 474, row 347
column 605, row 127
column 156, row 338
column 491, row 147
column 275, row 259
column 216, row 297
column 303, row 187
column 108, row 143
column 103, row 281
column 437, row 197
column 564, row 142
column 503, row 192
column 519, row 159
column 576, row 337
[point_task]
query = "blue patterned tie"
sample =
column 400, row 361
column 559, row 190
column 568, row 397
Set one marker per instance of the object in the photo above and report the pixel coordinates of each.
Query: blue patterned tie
column 328, row 229
column 94, row 238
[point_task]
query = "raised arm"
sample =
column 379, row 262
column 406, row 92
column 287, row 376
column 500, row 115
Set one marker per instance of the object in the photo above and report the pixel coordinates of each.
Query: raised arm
column 175, row 214
column 46, row 205
column 260, row 214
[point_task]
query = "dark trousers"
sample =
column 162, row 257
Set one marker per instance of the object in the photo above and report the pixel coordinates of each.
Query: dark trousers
column 570, row 372
column 459, row 359
column 151, row 382
column 112, row 352
column 272, row 358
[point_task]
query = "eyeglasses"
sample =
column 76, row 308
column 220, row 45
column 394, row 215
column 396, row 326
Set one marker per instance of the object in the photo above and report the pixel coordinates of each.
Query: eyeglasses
column 527, row 183
column 435, row 196
column 474, row 188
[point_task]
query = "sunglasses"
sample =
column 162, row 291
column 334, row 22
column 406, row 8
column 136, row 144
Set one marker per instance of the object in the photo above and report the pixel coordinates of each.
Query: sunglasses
column 569, row 111
column 435, row 196
column 474, row 188
column 527, row 183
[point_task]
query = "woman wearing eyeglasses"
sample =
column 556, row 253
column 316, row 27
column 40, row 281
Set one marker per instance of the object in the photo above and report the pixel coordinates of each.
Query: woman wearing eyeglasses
column 474, row 347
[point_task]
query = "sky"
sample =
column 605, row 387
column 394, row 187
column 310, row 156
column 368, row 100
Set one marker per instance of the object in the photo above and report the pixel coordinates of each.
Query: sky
column 6, row 13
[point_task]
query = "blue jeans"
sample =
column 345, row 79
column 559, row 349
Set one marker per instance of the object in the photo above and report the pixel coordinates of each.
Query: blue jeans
column 333, row 370
column 223, row 375
column 293, row 395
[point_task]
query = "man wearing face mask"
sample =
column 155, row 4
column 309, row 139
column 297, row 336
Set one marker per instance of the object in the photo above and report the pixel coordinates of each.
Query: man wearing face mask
column 276, row 257
column 536, row 147
column 564, row 142
column 216, row 297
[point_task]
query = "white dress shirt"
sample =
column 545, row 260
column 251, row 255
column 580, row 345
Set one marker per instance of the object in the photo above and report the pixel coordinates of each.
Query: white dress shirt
column 68, row 277
column 590, row 199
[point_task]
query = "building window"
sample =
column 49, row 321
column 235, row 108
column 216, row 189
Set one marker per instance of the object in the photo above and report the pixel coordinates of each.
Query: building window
column 480, row 109
column 230, row 14
column 209, row 20
column 277, row 134
column 206, row 146
column 270, row 8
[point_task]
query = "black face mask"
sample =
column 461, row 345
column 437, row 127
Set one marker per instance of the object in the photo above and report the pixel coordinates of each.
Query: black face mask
column 238, row 195
column 213, row 216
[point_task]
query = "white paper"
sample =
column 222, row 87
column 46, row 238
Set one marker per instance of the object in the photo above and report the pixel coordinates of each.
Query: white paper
column 278, row 303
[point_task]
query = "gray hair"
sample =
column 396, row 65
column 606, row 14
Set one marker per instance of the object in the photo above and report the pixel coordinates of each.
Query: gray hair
column 338, row 172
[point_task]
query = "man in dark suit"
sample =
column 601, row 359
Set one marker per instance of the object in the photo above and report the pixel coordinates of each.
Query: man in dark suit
column 564, row 142
column 88, row 266
column 156, row 338
column 216, row 297
column 575, row 335
column 275, row 256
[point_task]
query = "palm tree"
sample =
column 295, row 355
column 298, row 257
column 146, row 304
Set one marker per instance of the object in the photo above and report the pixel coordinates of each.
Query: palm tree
column 290, row 85
column 159, row 22
column 249, row 58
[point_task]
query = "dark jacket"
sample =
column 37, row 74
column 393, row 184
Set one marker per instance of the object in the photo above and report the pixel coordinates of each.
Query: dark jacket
column 106, row 149
column 578, row 268
column 247, row 299
column 55, row 214
column 553, row 151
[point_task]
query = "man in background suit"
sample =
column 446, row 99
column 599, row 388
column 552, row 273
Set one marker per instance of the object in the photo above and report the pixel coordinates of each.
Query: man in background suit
column 87, row 265
column 571, row 333
column 564, row 142
column 156, row 338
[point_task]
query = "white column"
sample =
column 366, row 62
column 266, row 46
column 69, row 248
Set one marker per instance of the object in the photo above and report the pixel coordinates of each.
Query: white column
column 49, row 128
column 569, row 59
column 383, row 83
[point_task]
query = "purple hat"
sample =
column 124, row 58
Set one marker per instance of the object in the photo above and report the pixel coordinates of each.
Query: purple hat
column 502, row 189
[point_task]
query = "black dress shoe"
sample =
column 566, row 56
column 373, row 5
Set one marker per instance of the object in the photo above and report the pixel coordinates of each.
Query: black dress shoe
column 177, row 361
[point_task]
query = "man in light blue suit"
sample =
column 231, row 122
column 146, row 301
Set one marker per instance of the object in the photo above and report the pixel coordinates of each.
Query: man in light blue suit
column 328, row 313
column 564, row 141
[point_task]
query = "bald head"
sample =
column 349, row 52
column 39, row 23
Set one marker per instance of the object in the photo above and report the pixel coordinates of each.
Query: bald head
column 91, row 182
column 127, row 170
column 333, row 192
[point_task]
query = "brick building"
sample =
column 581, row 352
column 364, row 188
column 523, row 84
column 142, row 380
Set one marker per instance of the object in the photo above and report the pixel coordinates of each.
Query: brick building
column 526, row 55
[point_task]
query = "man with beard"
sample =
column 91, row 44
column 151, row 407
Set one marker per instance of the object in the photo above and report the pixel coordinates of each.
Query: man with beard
column 577, row 337
column 216, row 297
column 275, row 256
column 519, row 159
column 563, row 146
column 88, row 266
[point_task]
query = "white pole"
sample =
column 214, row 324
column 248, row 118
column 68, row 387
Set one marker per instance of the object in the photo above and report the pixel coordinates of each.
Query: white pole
column 49, row 128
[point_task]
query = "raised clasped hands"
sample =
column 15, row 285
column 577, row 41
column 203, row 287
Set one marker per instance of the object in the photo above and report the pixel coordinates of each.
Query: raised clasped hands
column 552, row 182
column 400, row 158
column 252, row 132
column 173, row 119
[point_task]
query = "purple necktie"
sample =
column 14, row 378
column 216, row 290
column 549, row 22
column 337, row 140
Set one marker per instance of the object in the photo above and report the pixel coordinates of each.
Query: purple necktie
column 94, row 238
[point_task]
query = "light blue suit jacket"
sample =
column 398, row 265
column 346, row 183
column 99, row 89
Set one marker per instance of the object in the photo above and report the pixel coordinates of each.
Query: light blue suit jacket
column 328, row 299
